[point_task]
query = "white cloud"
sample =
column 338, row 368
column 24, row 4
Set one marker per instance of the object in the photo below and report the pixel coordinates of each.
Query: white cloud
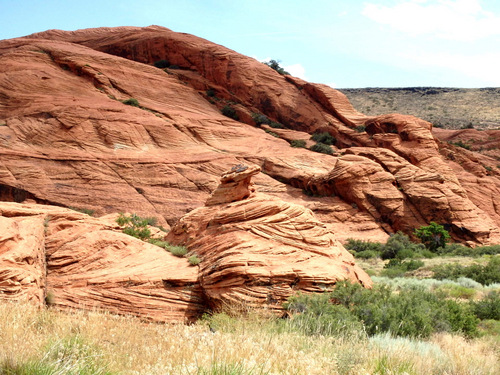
column 296, row 70
column 482, row 67
column 463, row 20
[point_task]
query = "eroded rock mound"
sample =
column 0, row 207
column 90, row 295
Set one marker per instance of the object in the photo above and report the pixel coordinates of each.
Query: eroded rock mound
column 76, row 261
column 256, row 250
column 259, row 250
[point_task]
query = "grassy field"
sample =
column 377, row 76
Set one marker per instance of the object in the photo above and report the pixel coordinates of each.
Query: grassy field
column 451, row 108
column 52, row 342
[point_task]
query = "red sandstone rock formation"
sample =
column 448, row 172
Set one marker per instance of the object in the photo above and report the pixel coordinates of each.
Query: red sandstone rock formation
column 255, row 249
column 66, row 138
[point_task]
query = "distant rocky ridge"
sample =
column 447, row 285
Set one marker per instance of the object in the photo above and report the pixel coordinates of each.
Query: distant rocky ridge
column 445, row 107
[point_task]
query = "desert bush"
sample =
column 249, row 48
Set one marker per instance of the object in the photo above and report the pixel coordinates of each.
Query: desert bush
column 272, row 133
column 298, row 143
column 414, row 313
column 461, row 250
column 136, row 226
column 399, row 246
column 433, row 236
column 460, row 144
column 276, row 125
column 178, row 251
column 316, row 315
column 260, row 119
column 360, row 128
column 162, row 64
column 486, row 275
column 230, row 112
column 325, row 138
column 322, row 148
column 194, row 260
column 488, row 307
column 275, row 64
column 133, row 102
column 363, row 249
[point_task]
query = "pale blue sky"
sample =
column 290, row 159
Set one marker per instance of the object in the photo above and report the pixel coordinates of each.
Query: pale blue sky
column 367, row 43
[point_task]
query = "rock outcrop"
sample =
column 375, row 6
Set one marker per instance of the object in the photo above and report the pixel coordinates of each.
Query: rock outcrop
column 72, row 260
column 68, row 138
column 255, row 249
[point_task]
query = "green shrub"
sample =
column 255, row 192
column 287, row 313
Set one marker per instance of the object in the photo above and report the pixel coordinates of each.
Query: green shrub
column 136, row 226
column 433, row 236
column 460, row 144
column 360, row 128
column 316, row 315
column 210, row 93
column 133, row 102
column 272, row 133
column 178, row 251
column 276, row 125
column 460, row 250
column 260, row 119
column 322, row 148
column 194, row 260
column 162, row 64
column 274, row 64
column 230, row 112
column 325, row 138
column 400, row 246
column 486, row 275
column 367, row 254
column 363, row 249
column 360, row 245
column 298, row 143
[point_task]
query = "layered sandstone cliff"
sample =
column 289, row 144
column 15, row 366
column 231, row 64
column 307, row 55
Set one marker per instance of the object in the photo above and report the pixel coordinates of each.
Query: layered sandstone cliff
column 66, row 138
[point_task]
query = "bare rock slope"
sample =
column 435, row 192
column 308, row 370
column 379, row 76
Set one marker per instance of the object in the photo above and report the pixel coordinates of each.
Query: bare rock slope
column 68, row 139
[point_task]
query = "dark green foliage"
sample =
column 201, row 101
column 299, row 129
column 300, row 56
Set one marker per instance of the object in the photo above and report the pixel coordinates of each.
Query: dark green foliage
column 274, row 64
column 397, row 267
column 321, row 147
column 316, row 315
column 412, row 313
column 276, row 125
column 133, row 102
column 298, row 143
column 359, row 245
column 260, row 119
column 488, row 307
column 230, row 112
column 486, row 275
column 399, row 246
column 194, row 260
column 86, row 211
column 325, row 138
column 272, row 133
column 136, row 226
column 460, row 144
column 210, row 92
column 367, row 254
column 433, row 236
column 363, row 249
column 360, row 128
column 162, row 64
column 461, row 250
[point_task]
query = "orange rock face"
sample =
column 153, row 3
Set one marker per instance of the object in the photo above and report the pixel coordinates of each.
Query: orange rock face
column 69, row 139
column 75, row 261
column 255, row 249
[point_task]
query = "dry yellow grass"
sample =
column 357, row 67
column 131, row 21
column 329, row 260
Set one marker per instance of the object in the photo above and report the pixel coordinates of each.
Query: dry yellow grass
column 250, row 345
